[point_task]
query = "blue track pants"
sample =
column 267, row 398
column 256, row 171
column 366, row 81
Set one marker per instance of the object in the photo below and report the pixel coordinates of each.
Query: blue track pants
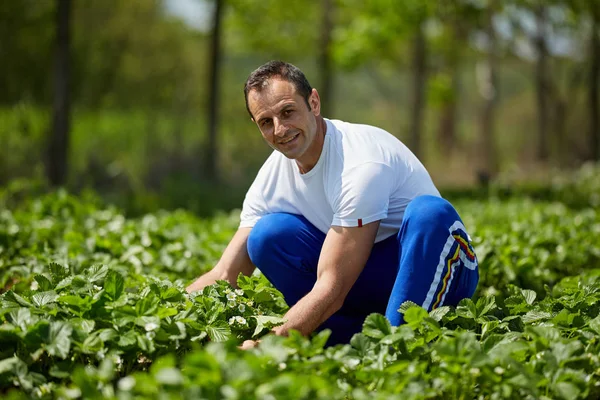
column 430, row 262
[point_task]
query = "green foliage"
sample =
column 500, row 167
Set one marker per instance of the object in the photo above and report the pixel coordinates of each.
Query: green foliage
column 93, row 306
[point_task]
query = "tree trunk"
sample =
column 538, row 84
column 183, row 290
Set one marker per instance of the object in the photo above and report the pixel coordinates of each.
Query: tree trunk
column 213, row 94
column 542, row 84
column 325, row 61
column 593, row 91
column 488, row 89
column 58, row 147
column 419, row 72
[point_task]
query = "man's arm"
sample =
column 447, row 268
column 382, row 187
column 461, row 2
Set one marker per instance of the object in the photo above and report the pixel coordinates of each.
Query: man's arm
column 235, row 259
column 343, row 256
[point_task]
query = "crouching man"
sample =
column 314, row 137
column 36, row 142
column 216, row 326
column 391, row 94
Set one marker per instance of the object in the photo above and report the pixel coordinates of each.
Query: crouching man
column 342, row 218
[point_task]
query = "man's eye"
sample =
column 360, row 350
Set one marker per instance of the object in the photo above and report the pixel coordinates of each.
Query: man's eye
column 287, row 113
column 265, row 122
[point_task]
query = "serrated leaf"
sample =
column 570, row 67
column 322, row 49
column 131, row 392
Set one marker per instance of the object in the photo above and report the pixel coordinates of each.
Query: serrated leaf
column 42, row 298
column 438, row 313
column 114, row 285
column 147, row 305
column 406, row 305
column 414, row 316
column 376, row 326
column 466, row 309
column 44, row 283
column 485, row 305
column 96, row 273
column 529, row 295
column 57, row 272
column 14, row 297
column 218, row 332
column 21, row 318
column 266, row 322
column 59, row 339
column 534, row 316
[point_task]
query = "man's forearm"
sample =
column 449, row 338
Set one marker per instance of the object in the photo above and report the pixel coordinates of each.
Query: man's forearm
column 311, row 311
column 208, row 279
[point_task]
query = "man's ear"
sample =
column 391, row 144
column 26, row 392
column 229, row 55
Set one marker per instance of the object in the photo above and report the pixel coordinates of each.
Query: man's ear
column 315, row 102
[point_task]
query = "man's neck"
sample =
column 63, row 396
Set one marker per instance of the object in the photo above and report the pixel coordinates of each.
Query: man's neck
column 319, row 140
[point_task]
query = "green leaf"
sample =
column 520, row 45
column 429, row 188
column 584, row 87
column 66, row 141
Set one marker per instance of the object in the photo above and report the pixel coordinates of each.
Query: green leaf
column 485, row 305
column 376, row 326
column 406, row 305
column 529, row 295
column 147, row 305
column 535, row 315
column 54, row 336
column 218, row 332
column 59, row 339
column 42, row 298
column 466, row 309
column 127, row 339
column 415, row 315
column 12, row 365
column 57, row 272
column 21, row 318
column 567, row 390
column 594, row 324
column 12, row 296
column 266, row 322
column 438, row 313
column 44, row 283
column 169, row 376
column 96, row 273
column 114, row 285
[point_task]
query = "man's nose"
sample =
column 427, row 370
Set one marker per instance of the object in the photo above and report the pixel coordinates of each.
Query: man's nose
column 280, row 128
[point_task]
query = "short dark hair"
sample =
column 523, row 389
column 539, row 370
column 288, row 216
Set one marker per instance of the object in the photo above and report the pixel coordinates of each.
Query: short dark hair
column 280, row 69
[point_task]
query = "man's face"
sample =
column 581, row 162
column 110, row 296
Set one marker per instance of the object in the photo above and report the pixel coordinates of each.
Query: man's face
column 284, row 118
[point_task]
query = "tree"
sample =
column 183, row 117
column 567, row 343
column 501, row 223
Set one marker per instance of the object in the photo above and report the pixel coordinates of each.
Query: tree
column 389, row 30
column 213, row 92
column 325, row 61
column 488, row 89
column 59, row 139
column 542, row 81
column 594, row 85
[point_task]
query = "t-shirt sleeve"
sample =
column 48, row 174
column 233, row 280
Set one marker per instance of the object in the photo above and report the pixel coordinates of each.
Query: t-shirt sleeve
column 363, row 195
column 254, row 207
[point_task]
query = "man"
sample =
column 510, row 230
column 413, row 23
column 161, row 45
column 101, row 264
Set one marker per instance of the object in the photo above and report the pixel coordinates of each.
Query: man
column 342, row 218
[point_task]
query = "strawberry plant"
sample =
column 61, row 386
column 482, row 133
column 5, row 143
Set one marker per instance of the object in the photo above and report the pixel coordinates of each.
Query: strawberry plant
column 93, row 306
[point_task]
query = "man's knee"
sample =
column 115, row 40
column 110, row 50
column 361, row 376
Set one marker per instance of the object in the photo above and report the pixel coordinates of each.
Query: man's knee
column 269, row 234
column 429, row 210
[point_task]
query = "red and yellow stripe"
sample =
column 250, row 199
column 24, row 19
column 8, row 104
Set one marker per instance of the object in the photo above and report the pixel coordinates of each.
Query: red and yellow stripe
column 462, row 243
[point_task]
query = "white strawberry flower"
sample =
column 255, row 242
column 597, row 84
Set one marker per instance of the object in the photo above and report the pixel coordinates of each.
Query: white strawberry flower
column 231, row 320
column 242, row 308
column 231, row 296
column 151, row 326
column 241, row 320
column 239, row 292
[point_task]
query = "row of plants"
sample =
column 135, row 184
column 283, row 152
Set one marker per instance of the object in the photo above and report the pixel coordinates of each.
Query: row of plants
column 158, row 342
column 93, row 306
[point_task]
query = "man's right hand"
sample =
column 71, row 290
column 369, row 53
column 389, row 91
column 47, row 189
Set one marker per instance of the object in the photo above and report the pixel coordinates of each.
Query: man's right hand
column 235, row 259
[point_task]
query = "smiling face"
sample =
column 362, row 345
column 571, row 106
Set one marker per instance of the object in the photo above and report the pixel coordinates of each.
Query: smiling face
column 286, row 122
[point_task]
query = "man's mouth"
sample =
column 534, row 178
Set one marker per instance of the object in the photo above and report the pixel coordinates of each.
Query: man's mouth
column 289, row 139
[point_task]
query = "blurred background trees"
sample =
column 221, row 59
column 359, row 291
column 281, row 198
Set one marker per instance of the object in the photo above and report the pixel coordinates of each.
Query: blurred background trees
column 142, row 100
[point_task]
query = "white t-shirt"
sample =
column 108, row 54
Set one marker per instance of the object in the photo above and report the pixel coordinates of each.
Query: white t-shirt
column 364, row 174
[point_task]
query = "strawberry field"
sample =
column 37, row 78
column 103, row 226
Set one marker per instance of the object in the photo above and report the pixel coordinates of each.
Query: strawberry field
column 93, row 306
